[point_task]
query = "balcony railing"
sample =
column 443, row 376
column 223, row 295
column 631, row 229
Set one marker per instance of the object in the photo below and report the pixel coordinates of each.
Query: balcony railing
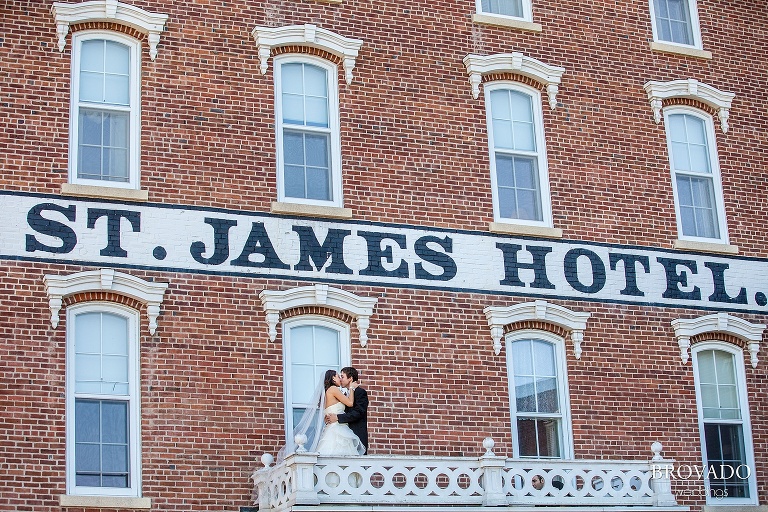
column 305, row 478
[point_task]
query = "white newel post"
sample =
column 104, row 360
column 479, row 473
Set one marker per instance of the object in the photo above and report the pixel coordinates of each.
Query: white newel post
column 492, row 466
column 303, row 465
column 261, row 481
column 661, row 478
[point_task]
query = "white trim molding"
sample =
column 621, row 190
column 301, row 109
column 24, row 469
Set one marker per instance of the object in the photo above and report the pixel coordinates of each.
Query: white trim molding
column 690, row 89
column 479, row 66
column 541, row 310
column 148, row 23
column 307, row 35
column 686, row 328
column 58, row 287
column 361, row 308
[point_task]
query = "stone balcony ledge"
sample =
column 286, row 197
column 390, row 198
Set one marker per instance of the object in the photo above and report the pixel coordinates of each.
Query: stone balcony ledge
column 308, row 482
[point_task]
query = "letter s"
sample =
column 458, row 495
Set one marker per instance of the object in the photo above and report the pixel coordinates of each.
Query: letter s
column 51, row 228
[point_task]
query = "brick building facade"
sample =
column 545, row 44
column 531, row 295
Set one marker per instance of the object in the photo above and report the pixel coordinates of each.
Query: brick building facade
column 542, row 223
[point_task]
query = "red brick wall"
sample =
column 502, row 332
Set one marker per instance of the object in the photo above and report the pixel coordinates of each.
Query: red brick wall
column 414, row 150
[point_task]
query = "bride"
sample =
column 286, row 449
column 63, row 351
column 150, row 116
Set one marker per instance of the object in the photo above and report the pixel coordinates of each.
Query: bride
column 338, row 438
column 333, row 439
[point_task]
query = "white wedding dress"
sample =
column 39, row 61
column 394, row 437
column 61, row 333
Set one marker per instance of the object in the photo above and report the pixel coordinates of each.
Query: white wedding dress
column 338, row 438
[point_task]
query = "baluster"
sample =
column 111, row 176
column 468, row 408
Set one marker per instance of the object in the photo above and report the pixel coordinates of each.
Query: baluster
column 661, row 481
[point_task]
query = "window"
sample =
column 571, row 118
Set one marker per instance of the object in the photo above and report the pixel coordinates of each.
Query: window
column 312, row 345
column 696, row 175
column 726, row 437
column 513, row 8
column 518, row 161
column 308, row 146
column 102, row 402
column 540, row 409
column 104, row 122
column 676, row 21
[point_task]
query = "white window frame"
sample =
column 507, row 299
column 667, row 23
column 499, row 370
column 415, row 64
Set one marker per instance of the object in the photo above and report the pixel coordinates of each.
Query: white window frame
column 134, row 406
column 566, row 433
column 134, row 130
column 741, row 383
column 309, row 320
column 527, row 11
column 695, row 29
column 715, row 175
column 333, row 129
column 541, row 153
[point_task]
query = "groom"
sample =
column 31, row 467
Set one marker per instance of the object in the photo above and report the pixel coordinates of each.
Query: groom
column 357, row 415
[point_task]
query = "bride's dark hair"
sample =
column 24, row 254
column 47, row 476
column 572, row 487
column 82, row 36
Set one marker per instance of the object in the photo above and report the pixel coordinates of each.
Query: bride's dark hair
column 328, row 381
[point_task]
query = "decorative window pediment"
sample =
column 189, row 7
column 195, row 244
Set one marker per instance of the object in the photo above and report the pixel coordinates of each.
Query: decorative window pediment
column 541, row 310
column 148, row 23
column 307, row 35
column 689, row 89
column 479, row 66
column 59, row 287
column 360, row 308
column 749, row 333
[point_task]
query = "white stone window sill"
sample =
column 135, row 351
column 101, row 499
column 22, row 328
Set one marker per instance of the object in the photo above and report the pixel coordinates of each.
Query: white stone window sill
column 680, row 50
column 501, row 21
column 67, row 500
column 70, row 189
column 519, row 229
column 311, row 210
column 734, row 508
column 689, row 245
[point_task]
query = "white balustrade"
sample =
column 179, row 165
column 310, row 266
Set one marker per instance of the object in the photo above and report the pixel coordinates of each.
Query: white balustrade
column 479, row 482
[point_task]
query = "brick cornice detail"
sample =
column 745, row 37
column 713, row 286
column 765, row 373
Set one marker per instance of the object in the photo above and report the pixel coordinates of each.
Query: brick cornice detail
column 318, row 311
column 535, row 325
column 103, row 297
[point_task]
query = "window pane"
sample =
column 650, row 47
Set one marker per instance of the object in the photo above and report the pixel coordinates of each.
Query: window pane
column 725, row 453
column 726, row 367
column 101, row 443
column 87, row 333
column 525, row 393
column 505, row 7
column 86, row 421
column 315, row 81
column 525, row 173
column 301, row 344
column 502, row 134
column 117, row 89
column 303, row 383
column 92, row 55
column 706, row 361
column 115, row 458
column 293, row 109
column 317, row 150
column 548, row 431
column 527, row 205
column 524, row 136
column 115, row 334
column 291, row 79
column 91, row 87
column 317, row 112
column 522, row 107
column 294, row 181
column 544, row 356
column 522, row 357
column 87, row 373
column 500, row 107
column 326, row 347
column 114, row 422
column 507, row 203
column 293, row 148
column 91, row 128
column 118, row 58
column 546, row 395
column 526, row 437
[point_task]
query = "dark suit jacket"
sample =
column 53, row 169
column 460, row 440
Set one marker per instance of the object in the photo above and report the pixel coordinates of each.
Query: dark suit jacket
column 357, row 416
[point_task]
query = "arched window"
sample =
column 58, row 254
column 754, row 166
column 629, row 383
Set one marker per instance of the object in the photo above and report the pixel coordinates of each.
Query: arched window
column 517, row 154
column 696, row 175
column 726, row 436
column 308, row 145
column 105, row 121
column 311, row 345
column 538, row 390
column 102, row 400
